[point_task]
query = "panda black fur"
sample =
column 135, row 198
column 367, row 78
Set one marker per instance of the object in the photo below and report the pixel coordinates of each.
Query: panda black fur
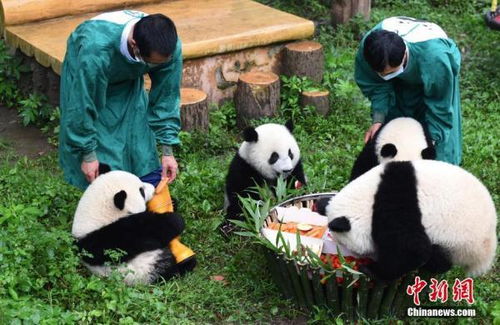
column 407, row 215
column 268, row 151
column 400, row 139
column 111, row 215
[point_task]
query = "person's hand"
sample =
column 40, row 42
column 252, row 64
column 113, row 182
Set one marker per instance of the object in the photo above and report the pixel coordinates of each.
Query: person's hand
column 371, row 131
column 90, row 170
column 169, row 168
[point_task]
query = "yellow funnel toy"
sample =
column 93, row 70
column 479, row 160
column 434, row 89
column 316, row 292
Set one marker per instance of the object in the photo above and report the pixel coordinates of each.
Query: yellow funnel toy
column 162, row 203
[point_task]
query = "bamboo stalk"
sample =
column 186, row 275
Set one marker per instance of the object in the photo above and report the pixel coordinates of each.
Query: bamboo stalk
column 294, row 277
column 375, row 300
column 276, row 273
column 306, row 286
column 363, row 296
column 399, row 300
column 287, row 286
column 388, row 299
column 332, row 294
column 347, row 293
column 319, row 294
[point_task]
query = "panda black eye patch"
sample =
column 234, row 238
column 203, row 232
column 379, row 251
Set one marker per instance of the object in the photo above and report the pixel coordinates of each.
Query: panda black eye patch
column 142, row 192
column 290, row 154
column 274, row 158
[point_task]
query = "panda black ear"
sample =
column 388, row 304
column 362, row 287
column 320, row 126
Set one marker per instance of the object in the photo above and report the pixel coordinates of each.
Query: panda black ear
column 119, row 199
column 341, row 224
column 250, row 135
column 321, row 205
column 388, row 150
column 104, row 168
column 429, row 153
column 289, row 125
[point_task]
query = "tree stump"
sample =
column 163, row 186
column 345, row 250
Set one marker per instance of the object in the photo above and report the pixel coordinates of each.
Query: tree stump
column 318, row 99
column 343, row 10
column 39, row 78
column 257, row 95
column 304, row 59
column 53, row 88
column 194, row 109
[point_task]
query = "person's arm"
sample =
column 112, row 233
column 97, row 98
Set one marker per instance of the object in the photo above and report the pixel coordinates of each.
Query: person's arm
column 164, row 108
column 85, row 94
column 438, row 97
column 377, row 90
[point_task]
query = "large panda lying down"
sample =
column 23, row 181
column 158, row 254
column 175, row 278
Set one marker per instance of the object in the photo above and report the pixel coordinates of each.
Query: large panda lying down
column 112, row 215
column 408, row 215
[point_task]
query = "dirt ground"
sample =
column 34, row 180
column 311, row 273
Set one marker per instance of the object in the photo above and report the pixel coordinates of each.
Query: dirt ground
column 24, row 141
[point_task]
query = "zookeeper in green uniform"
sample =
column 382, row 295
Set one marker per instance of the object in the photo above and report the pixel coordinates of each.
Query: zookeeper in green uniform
column 106, row 115
column 407, row 67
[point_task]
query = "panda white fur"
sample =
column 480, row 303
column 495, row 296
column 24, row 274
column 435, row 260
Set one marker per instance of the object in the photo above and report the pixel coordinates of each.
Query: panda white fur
column 112, row 214
column 400, row 139
column 269, row 150
column 408, row 215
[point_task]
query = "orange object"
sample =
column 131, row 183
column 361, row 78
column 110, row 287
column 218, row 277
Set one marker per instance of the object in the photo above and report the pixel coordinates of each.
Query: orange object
column 162, row 203
column 292, row 227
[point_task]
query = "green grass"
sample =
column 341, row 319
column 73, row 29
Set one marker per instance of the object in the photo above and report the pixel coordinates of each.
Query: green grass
column 42, row 280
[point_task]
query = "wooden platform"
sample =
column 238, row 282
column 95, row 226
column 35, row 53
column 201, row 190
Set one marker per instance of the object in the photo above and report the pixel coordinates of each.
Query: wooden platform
column 208, row 28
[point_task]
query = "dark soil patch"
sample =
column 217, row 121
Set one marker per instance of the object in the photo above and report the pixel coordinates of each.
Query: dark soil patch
column 22, row 140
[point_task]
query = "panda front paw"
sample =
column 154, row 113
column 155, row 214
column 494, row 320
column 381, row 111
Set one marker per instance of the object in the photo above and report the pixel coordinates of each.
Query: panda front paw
column 171, row 224
column 371, row 270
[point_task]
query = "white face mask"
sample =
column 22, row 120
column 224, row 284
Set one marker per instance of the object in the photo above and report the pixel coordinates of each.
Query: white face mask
column 393, row 74
column 399, row 71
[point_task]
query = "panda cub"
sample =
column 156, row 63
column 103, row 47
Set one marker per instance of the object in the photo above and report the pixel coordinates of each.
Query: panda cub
column 111, row 215
column 407, row 215
column 268, row 151
column 400, row 139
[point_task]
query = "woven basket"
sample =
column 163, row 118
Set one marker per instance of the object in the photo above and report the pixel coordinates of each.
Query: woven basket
column 309, row 286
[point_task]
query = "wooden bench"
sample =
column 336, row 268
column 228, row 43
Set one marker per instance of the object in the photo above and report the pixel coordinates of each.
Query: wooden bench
column 221, row 38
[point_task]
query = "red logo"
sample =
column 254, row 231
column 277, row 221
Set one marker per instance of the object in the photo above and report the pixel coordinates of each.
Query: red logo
column 439, row 290
column 416, row 289
column 464, row 290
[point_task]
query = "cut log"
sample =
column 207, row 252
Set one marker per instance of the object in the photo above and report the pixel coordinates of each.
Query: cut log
column 318, row 99
column 194, row 109
column 343, row 10
column 257, row 95
column 53, row 88
column 304, row 59
column 39, row 78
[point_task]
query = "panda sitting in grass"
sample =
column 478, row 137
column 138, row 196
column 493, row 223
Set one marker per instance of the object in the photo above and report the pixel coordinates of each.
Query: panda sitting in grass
column 400, row 139
column 415, row 214
column 112, row 215
column 267, row 152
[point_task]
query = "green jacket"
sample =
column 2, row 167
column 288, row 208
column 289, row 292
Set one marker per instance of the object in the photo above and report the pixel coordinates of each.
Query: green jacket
column 105, row 111
column 427, row 90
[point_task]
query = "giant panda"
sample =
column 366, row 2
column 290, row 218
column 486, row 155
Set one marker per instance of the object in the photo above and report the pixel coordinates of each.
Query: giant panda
column 415, row 214
column 111, row 215
column 400, row 139
column 268, row 151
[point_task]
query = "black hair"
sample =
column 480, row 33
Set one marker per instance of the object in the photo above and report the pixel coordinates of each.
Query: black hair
column 155, row 33
column 383, row 48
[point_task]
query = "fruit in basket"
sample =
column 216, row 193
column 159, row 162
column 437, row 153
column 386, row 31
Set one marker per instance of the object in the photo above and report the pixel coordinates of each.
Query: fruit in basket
column 303, row 228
